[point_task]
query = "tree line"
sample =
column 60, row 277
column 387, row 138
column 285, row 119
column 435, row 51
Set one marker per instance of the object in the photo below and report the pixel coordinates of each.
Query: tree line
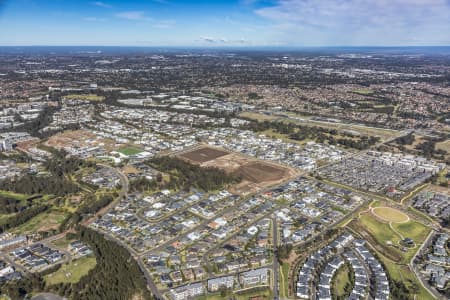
column 320, row 134
column 184, row 175
column 22, row 217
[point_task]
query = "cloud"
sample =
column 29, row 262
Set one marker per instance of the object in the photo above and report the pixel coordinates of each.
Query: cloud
column 101, row 4
column 94, row 19
column 132, row 15
column 163, row 24
column 221, row 41
column 359, row 21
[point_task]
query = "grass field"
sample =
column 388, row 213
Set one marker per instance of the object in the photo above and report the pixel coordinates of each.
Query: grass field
column 129, row 151
column 256, row 116
column 412, row 229
column 284, row 280
column 88, row 97
column 41, row 222
column 390, row 214
column 340, row 280
column 71, row 272
column 363, row 92
column 380, row 231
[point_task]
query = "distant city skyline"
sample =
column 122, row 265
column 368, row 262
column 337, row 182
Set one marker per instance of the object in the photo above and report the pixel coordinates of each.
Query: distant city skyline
column 220, row 23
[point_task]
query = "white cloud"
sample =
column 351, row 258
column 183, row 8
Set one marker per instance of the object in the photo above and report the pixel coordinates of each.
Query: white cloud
column 163, row 24
column 132, row 15
column 94, row 19
column 221, row 41
column 101, row 4
column 359, row 21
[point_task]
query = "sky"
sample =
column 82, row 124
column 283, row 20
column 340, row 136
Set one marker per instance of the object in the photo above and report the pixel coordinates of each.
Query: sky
column 220, row 23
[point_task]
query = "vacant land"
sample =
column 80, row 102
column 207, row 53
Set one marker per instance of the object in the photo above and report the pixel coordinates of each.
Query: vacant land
column 62, row 243
column 255, row 174
column 444, row 146
column 258, row 172
column 79, row 138
column 363, row 92
column 257, row 116
column 71, row 272
column 43, row 222
column 383, row 133
column 203, row 154
column 87, row 97
column 389, row 214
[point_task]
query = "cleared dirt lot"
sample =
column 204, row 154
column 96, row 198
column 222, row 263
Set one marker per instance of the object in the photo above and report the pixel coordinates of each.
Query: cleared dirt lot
column 260, row 172
column 203, row 154
column 79, row 138
column 256, row 174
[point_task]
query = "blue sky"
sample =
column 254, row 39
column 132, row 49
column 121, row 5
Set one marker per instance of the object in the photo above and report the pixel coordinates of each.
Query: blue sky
column 218, row 23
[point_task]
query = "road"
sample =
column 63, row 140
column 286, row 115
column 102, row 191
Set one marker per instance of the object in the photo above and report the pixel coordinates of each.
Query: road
column 276, row 265
column 412, row 267
column 122, row 194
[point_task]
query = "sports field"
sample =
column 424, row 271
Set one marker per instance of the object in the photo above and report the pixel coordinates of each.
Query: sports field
column 390, row 214
column 129, row 151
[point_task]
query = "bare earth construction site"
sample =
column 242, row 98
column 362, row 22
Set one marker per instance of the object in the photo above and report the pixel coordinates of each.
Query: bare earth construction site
column 256, row 174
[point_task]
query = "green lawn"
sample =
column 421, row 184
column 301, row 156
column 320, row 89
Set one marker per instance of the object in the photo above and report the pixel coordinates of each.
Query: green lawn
column 380, row 231
column 130, row 151
column 72, row 272
column 340, row 280
column 414, row 230
column 284, row 280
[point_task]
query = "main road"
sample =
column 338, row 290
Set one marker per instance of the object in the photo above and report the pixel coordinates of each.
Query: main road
column 276, row 265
